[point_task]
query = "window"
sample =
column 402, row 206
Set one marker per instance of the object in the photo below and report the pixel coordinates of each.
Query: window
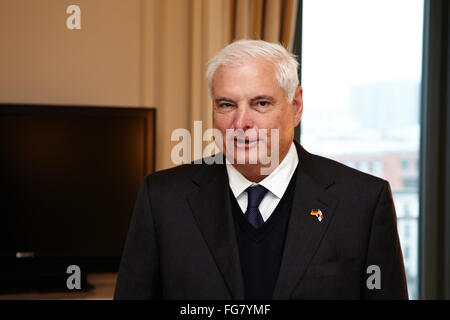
column 406, row 210
column 378, row 168
column 404, row 165
column 361, row 72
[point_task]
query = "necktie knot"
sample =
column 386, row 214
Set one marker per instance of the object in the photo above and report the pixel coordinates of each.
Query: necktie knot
column 255, row 195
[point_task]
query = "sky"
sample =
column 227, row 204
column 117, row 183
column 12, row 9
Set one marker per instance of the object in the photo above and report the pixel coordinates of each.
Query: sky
column 354, row 42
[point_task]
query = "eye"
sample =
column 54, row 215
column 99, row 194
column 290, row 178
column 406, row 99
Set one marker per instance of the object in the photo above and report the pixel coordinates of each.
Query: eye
column 263, row 103
column 225, row 105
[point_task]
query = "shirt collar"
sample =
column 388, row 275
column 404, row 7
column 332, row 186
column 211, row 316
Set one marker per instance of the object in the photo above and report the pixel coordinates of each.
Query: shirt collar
column 276, row 182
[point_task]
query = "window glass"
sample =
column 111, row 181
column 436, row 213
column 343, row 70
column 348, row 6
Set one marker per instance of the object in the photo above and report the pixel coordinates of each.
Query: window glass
column 361, row 72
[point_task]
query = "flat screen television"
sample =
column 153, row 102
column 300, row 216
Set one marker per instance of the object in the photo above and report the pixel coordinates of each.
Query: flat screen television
column 69, row 180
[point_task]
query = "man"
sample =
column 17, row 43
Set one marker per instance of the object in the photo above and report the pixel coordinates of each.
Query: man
column 288, row 225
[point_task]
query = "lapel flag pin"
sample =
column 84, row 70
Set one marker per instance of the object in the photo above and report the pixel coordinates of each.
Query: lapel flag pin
column 317, row 213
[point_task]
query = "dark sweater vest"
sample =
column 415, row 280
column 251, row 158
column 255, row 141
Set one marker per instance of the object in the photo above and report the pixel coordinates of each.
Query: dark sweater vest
column 261, row 250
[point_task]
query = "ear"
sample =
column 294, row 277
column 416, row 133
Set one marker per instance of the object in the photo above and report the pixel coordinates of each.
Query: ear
column 297, row 103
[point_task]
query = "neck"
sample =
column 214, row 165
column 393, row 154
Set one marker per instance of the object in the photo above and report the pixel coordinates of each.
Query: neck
column 250, row 172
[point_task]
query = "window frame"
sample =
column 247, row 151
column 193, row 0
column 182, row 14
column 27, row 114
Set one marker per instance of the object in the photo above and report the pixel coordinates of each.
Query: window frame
column 434, row 236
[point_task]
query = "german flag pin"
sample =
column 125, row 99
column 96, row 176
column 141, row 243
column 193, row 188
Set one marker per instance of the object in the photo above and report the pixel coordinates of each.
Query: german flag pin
column 317, row 213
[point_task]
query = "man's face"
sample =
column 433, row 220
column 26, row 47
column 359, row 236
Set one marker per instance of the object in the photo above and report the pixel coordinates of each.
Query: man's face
column 249, row 98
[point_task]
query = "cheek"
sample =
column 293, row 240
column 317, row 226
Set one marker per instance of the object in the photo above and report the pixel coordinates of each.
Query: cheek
column 273, row 122
column 222, row 121
column 284, row 124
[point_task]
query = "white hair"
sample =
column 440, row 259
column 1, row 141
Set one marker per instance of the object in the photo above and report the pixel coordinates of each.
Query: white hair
column 236, row 53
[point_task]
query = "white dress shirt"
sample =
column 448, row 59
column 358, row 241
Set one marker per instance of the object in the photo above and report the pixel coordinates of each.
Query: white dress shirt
column 277, row 183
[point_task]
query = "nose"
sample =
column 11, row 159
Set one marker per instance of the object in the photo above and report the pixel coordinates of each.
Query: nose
column 243, row 118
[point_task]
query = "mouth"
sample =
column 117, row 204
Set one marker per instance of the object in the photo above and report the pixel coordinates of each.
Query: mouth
column 245, row 142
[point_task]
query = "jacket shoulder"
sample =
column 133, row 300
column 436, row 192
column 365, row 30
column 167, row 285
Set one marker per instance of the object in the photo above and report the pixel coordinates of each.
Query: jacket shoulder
column 185, row 174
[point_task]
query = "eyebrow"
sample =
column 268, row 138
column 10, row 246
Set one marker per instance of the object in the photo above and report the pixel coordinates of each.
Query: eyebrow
column 260, row 97
column 263, row 97
column 223, row 99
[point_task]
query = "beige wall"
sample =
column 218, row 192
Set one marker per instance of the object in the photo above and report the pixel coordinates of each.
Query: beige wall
column 127, row 53
column 41, row 61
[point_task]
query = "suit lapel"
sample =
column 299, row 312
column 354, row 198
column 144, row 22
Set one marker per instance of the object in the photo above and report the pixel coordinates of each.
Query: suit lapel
column 211, row 207
column 305, row 231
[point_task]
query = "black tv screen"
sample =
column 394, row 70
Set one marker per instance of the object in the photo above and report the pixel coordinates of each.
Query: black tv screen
column 69, row 179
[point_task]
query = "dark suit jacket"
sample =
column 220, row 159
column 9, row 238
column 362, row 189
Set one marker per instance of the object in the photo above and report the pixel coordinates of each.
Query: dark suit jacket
column 182, row 243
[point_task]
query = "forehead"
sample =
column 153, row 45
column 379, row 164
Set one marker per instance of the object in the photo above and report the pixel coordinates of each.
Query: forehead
column 255, row 76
